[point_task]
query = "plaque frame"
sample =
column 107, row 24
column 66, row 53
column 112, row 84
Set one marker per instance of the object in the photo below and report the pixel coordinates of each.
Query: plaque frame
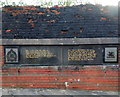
column 107, row 58
column 16, row 50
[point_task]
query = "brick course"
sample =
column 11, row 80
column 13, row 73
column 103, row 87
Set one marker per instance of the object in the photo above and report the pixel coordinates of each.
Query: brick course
column 88, row 77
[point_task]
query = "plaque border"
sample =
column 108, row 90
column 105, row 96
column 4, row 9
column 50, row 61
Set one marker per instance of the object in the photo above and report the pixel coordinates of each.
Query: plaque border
column 16, row 47
column 104, row 55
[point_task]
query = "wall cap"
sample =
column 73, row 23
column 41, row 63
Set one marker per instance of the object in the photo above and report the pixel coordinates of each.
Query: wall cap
column 63, row 41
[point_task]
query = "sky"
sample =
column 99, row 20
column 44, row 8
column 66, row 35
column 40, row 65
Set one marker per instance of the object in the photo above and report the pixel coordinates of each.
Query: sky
column 37, row 2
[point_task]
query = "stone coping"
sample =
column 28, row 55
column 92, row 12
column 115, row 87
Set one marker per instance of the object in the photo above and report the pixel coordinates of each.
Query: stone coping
column 63, row 41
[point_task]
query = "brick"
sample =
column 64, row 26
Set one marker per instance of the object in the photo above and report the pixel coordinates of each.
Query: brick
column 37, row 24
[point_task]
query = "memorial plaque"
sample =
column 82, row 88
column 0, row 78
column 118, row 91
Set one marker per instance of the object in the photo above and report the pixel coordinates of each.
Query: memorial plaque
column 11, row 55
column 61, row 55
column 42, row 55
column 82, row 55
column 111, row 54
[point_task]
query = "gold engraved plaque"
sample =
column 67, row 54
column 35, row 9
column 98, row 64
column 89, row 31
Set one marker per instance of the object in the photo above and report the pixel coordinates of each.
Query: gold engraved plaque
column 81, row 54
column 41, row 55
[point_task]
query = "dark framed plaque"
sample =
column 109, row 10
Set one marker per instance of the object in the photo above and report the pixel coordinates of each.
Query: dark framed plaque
column 83, row 55
column 41, row 55
column 11, row 55
column 111, row 54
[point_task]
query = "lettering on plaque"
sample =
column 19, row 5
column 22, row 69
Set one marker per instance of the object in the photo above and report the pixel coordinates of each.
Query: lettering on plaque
column 39, row 53
column 81, row 54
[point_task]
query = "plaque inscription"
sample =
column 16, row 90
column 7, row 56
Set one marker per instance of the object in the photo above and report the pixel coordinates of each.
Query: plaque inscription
column 39, row 53
column 81, row 54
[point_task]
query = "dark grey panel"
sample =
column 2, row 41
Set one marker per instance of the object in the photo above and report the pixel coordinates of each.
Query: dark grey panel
column 83, row 55
column 44, row 55
column 61, row 55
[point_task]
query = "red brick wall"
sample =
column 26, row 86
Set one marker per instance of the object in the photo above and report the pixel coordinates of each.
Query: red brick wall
column 86, row 77
column 91, row 77
column 1, row 55
column 1, row 62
